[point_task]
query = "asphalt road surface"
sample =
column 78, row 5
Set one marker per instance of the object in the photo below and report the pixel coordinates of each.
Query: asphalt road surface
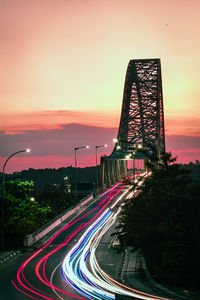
column 66, row 266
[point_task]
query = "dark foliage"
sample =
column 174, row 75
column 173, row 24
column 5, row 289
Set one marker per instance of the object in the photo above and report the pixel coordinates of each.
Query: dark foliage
column 56, row 198
column 163, row 221
column 42, row 177
column 27, row 210
column 23, row 214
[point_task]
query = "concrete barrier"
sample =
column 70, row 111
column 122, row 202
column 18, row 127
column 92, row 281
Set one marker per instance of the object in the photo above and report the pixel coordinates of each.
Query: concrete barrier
column 31, row 239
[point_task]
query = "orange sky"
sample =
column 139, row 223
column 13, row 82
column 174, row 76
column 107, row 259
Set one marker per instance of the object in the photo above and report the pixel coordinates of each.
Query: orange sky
column 65, row 61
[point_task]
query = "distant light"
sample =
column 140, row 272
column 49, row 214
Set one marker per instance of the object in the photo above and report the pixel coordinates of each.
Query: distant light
column 127, row 157
column 28, row 150
column 118, row 147
column 115, row 140
column 105, row 145
column 139, row 146
column 32, row 199
column 87, row 147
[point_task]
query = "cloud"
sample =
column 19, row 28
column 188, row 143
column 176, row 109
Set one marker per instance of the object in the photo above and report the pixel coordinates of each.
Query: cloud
column 182, row 142
column 59, row 141
column 54, row 148
column 179, row 125
column 54, row 119
column 186, row 148
column 62, row 140
column 182, row 125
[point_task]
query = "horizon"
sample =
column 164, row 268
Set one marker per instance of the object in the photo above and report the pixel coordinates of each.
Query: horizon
column 79, row 167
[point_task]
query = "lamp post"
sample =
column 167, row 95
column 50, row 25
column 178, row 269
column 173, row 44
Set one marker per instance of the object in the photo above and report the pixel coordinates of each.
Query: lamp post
column 99, row 146
column 76, row 178
column 3, row 196
column 134, row 174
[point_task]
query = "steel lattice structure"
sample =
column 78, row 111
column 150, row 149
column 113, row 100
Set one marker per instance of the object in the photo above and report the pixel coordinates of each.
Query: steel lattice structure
column 142, row 118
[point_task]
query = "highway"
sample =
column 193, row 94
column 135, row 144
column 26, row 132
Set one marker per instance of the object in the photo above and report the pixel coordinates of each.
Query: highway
column 66, row 266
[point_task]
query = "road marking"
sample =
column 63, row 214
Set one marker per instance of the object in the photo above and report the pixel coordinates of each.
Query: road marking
column 51, row 280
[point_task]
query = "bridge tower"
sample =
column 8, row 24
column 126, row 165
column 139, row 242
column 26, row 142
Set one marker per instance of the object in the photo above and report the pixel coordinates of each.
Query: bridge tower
column 142, row 116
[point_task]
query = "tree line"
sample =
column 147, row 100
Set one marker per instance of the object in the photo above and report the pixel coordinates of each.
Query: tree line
column 163, row 222
column 42, row 177
column 34, row 197
column 27, row 209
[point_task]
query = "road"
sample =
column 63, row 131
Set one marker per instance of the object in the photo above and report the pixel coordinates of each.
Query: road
column 66, row 266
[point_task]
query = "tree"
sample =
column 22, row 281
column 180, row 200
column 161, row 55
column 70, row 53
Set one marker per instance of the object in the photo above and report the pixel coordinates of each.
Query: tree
column 23, row 214
column 155, row 160
column 55, row 197
column 163, row 222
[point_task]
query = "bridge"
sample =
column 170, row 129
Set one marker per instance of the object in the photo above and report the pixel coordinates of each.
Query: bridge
column 141, row 130
column 67, row 245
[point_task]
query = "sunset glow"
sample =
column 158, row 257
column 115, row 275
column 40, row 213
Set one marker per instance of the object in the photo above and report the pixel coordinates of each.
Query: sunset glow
column 63, row 65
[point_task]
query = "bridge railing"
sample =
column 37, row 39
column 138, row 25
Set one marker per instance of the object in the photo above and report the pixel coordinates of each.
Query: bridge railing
column 32, row 238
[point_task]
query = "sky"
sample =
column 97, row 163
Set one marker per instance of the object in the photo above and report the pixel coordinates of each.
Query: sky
column 63, row 66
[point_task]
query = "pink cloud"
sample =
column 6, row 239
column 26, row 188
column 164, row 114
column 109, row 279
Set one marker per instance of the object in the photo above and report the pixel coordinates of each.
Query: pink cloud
column 46, row 120
column 54, row 148
column 182, row 142
column 182, row 125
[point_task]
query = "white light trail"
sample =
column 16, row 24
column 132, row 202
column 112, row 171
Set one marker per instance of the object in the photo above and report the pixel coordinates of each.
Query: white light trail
column 81, row 269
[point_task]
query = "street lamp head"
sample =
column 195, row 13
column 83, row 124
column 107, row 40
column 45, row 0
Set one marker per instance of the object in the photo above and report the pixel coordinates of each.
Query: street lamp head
column 28, row 150
column 82, row 147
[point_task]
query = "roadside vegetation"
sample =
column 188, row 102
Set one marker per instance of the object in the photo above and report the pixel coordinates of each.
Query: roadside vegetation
column 26, row 210
column 163, row 223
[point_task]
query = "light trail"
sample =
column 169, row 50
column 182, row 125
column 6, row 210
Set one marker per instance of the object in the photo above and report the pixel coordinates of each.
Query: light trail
column 80, row 267
column 24, row 285
column 95, row 284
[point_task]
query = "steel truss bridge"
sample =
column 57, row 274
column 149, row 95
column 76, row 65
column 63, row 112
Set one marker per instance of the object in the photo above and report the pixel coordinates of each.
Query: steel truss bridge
column 142, row 120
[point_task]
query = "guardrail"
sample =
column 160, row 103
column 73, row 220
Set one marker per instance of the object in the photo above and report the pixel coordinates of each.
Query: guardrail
column 32, row 238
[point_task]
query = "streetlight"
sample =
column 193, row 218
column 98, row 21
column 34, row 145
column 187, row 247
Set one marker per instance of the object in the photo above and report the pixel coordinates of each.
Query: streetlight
column 3, row 189
column 97, row 163
column 76, row 179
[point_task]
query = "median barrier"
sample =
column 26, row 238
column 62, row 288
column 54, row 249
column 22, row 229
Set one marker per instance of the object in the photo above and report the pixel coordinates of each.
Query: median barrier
column 31, row 239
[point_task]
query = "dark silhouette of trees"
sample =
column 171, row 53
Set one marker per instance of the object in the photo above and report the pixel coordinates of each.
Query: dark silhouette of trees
column 163, row 222
column 42, row 177
column 56, row 198
column 49, row 199
column 23, row 214
column 27, row 210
